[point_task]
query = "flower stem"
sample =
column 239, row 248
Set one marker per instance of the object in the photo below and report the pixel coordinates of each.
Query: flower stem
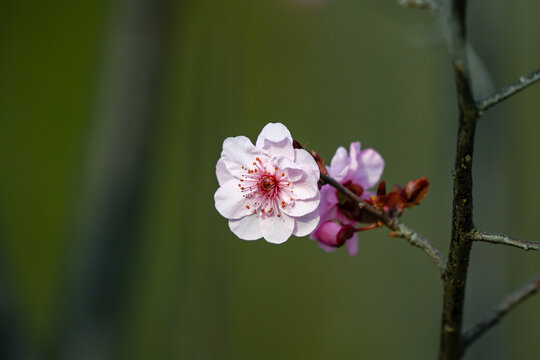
column 399, row 229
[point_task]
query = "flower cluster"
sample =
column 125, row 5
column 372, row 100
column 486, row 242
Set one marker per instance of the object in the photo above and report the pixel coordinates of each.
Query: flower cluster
column 272, row 190
column 358, row 171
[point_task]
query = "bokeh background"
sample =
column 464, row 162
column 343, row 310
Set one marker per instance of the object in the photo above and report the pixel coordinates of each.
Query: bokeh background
column 112, row 117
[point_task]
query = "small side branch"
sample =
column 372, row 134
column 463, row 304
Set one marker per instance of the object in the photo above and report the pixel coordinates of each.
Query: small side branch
column 495, row 315
column 399, row 229
column 415, row 239
column 507, row 91
column 505, row 240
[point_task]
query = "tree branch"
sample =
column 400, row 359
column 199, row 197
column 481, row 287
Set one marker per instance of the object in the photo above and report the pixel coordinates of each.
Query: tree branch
column 504, row 240
column 400, row 229
column 455, row 275
column 507, row 91
column 455, row 278
column 495, row 315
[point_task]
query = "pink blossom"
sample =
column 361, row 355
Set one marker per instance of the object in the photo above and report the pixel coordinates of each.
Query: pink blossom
column 268, row 189
column 359, row 169
column 330, row 234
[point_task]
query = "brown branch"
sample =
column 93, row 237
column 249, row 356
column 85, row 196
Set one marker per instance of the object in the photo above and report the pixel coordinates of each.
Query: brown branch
column 495, row 315
column 455, row 277
column 505, row 240
column 399, row 229
column 507, row 91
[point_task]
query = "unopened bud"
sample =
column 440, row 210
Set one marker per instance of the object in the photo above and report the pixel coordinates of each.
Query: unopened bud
column 415, row 191
column 394, row 201
column 381, row 189
column 333, row 234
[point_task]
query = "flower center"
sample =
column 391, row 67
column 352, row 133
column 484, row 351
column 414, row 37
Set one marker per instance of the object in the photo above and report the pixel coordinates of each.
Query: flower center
column 267, row 188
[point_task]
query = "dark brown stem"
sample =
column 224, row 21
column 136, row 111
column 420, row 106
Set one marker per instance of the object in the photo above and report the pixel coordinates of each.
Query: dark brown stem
column 505, row 240
column 455, row 277
column 463, row 230
column 507, row 91
column 495, row 315
column 399, row 229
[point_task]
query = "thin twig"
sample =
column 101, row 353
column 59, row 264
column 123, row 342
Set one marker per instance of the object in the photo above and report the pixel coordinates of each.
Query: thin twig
column 402, row 231
column 507, row 91
column 505, row 240
column 399, row 229
column 495, row 315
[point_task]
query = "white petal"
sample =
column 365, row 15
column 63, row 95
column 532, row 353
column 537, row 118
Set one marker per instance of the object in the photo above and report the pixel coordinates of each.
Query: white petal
column 305, row 225
column 246, row 228
column 283, row 148
column 292, row 171
column 237, row 152
column 229, row 201
column 275, row 139
column 274, row 132
column 306, row 188
column 276, row 229
column 223, row 175
column 302, row 207
column 339, row 166
column 303, row 159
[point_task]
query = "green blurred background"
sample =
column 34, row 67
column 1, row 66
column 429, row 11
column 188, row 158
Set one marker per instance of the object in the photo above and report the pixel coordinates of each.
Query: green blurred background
column 112, row 117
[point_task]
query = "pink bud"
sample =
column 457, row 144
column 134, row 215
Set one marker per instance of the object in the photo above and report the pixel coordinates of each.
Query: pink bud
column 333, row 234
